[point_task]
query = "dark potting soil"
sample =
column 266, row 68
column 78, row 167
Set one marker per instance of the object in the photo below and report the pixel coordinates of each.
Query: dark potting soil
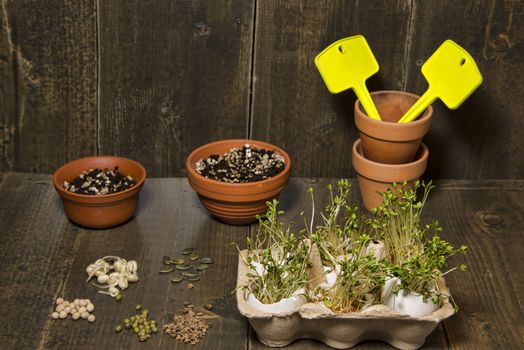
column 241, row 165
column 99, row 182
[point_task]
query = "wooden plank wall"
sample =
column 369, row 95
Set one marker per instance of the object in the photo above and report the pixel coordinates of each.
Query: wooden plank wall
column 153, row 80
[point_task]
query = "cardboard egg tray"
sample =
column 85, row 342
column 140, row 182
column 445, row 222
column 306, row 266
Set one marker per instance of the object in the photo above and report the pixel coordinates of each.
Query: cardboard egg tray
column 340, row 331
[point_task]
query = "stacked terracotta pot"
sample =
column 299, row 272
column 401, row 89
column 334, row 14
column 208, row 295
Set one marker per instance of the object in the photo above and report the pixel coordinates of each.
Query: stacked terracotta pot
column 387, row 151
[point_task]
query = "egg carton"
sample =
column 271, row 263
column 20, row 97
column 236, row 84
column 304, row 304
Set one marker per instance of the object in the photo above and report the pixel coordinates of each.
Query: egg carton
column 340, row 331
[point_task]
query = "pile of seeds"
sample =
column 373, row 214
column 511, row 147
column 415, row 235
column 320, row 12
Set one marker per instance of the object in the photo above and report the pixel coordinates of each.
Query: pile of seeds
column 78, row 308
column 240, row 165
column 140, row 323
column 99, row 182
column 189, row 267
column 113, row 273
column 188, row 328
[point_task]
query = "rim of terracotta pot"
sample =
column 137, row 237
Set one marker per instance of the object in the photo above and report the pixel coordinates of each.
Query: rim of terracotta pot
column 93, row 199
column 230, row 188
column 392, row 131
column 383, row 172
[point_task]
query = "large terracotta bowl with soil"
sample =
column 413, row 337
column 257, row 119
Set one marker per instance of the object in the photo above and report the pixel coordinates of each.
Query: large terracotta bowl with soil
column 235, row 203
column 386, row 141
column 100, row 211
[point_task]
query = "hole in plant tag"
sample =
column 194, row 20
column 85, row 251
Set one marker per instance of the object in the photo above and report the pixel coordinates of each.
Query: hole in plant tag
column 462, row 61
column 341, row 49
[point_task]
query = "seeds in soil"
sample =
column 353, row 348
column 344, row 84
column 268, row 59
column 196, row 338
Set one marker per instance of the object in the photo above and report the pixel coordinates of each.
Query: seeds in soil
column 241, row 165
column 96, row 182
column 188, row 328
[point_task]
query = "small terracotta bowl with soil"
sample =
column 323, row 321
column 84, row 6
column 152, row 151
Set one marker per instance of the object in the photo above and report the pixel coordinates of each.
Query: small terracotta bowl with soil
column 235, row 203
column 376, row 177
column 100, row 211
column 386, row 141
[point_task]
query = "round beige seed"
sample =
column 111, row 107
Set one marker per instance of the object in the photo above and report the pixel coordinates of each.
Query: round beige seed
column 60, row 307
column 59, row 301
column 54, row 315
column 82, row 309
column 75, row 316
column 90, row 307
column 82, row 302
column 62, row 314
column 91, row 318
column 84, row 315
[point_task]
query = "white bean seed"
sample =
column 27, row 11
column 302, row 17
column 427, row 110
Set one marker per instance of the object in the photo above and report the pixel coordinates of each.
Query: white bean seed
column 131, row 277
column 91, row 318
column 82, row 302
column 59, row 301
column 60, row 307
column 67, row 309
column 62, row 314
column 102, row 278
column 122, row 283
column 54, row 315
column 75, row 316
column 84, row 315
column 90, row 307
column 82, row 309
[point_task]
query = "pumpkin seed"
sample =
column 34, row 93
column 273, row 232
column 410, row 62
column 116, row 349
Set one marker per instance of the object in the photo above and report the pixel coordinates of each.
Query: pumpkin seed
column 177, row 279
column 193, row 279
column 191, row 274
column 177, row 261
column 202, row 267
column 166, row 260
column 188, row 251
column 194, row 256
column 207, row 260
column 183, row 267
column 166, row 269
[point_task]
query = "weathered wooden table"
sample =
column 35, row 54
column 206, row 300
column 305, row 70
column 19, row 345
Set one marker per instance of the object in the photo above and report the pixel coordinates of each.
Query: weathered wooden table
column 44, row 256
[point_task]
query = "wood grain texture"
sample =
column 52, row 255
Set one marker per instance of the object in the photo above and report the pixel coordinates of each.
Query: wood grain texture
column 488, row 217
column 482, row 138
column 48, row 68
column 170, row 218
column 37, row 246
column 291, row 104
column 174, row 75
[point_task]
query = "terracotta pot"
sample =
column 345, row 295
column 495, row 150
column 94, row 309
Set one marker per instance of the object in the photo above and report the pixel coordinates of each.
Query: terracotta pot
column 105, row 210
column 235, row 204
column 386, row 141
column 376, row 177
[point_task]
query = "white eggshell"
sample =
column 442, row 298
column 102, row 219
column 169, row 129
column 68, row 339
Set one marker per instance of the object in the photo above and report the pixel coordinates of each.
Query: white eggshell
column 285, row 305
column 411, row 304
